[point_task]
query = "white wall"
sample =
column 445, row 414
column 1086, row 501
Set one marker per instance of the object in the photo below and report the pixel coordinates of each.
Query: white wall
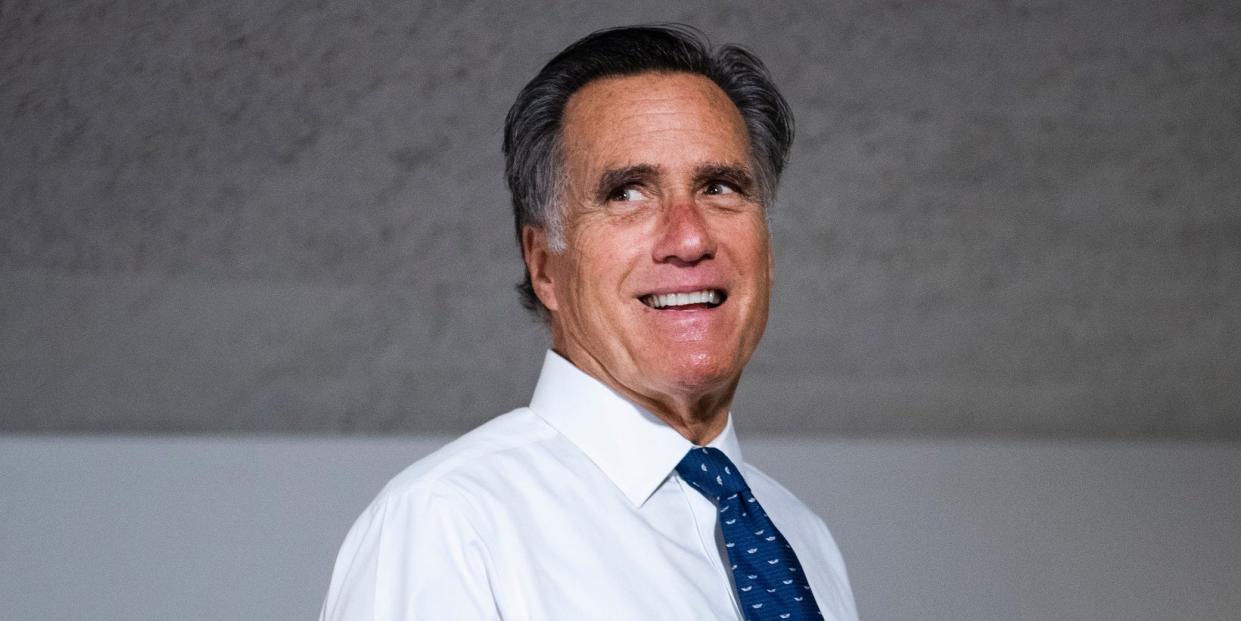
column 129, row 528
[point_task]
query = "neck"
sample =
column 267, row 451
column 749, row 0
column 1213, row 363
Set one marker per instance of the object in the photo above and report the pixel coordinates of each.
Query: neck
column 698, row 415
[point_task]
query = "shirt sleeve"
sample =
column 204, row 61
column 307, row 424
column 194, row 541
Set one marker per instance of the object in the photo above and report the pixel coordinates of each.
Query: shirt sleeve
column 411, row 555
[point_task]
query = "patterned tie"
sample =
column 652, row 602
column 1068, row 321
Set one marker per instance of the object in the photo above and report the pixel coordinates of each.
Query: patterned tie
column 770, row 582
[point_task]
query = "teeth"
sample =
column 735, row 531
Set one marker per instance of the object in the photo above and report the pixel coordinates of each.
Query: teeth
column 709, row 296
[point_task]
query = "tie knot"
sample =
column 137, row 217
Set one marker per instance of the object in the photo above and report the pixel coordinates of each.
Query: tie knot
column 711, row 472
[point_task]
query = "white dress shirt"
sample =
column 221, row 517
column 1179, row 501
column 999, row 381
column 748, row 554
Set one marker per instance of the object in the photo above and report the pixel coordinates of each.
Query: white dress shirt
column 567, row 509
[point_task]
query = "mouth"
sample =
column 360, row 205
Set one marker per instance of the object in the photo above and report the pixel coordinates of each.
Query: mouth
column 690, row 300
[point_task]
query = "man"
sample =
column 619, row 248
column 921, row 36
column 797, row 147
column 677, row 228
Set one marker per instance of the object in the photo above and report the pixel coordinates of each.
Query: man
column 640, row 165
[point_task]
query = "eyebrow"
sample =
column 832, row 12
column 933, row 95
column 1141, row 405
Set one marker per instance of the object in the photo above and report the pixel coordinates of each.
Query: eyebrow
column 614, row 178
column 735, row 174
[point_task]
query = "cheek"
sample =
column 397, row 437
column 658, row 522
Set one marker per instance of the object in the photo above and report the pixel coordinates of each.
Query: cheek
column 580, row 285
column 601, row 262
column 755, row 251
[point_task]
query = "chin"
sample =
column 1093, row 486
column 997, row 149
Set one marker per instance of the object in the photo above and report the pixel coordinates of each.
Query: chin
column 701, row 372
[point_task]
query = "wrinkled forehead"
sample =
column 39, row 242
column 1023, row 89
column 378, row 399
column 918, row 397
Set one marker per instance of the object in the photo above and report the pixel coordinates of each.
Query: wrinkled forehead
column 653, row 118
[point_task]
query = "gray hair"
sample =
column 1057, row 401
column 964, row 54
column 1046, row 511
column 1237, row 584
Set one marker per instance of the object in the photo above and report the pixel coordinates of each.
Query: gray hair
column 533, row 157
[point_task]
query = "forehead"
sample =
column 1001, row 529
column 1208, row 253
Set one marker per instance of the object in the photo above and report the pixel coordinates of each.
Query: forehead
column 657, row 118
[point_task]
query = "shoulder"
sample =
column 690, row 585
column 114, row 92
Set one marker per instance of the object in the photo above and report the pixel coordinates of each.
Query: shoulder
column 472, row 461
column 422, row 545
column 453, row 493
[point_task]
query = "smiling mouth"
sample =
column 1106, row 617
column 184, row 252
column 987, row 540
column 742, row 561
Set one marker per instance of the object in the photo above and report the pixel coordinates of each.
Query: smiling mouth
column 707, row 298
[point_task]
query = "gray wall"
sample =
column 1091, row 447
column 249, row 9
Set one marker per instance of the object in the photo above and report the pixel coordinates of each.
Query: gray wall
column 1001, row 218
column 128, row 528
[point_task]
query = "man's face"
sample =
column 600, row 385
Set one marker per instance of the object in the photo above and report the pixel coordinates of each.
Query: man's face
column 664, row 287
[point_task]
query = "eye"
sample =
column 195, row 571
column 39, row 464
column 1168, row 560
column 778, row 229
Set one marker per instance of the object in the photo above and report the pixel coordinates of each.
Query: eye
column 626, row 193
column 717, row 188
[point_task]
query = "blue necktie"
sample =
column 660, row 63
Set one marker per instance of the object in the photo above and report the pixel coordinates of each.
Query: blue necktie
column 770, row 582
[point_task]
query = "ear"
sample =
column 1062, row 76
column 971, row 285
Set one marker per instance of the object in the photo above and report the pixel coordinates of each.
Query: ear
column 538, row 261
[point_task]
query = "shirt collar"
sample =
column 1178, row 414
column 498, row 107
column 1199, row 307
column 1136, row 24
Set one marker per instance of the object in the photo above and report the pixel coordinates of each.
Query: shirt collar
column 633, row 447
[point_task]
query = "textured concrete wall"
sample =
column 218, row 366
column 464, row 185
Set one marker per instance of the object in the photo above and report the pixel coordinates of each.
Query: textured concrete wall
column 1001, row 218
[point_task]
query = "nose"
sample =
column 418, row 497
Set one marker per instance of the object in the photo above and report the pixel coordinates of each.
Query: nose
column 684, row 236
